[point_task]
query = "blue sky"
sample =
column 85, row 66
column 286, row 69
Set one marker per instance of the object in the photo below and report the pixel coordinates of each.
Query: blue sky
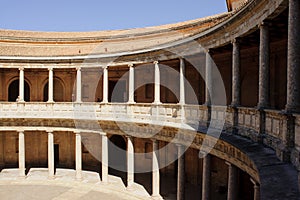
column 89, row 15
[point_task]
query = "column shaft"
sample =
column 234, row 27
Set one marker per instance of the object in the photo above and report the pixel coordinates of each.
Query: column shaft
column 78, row 85
column 130, row 162
column 182, row 89
column 50, row 85
column 256, row 189
column 78, row 156
column 21, row 85
column 104, row 159
column 206, row 178
column 208, row 79
column 293, row 60
column 232, row 182
column 180, row 173
column 131, row 84
column 155, row 172
column 105, row 85
column 21, row 154
column 156, row 83
column 264, row 67
column 236, row 76
column 50, row 154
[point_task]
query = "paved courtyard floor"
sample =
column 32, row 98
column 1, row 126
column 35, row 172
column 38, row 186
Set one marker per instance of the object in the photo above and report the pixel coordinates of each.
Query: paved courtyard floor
column 36, row 186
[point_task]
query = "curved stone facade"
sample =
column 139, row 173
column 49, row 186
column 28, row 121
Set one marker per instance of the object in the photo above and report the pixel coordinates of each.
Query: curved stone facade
column 207, row 108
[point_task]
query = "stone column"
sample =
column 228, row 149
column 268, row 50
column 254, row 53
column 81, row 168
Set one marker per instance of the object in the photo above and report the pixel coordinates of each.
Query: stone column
column 105, row 85
column 78, row 85
column 21, row 84
column 206, row 178
column 180, row 173
column 264, row 67
column 293, row 58
column 208, row 79
column 182, row 89
column 130, row 162
column 50, row 85
column 50, row 155
column 155, row 172
column 256, row 188
column 104, row 159
column 131, row 84
column 232, row 182
column 156, row 83
column 78, row 156
column 21, row 154
column 236, row 76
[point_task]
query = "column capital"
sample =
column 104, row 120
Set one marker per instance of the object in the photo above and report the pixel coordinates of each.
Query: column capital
column 155, row 62
column 105, row 67
column 263, row 24
column 130, row 65
column 49, row 131
column 77, row 132
column 254, row 182
column 21, row 68
column 235, row 41
column 78, row 68
column 20, row 130
column 50, row 68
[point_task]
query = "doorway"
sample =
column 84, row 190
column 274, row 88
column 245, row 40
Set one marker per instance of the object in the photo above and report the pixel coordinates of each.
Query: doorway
column 56, row 157
column 117, row 91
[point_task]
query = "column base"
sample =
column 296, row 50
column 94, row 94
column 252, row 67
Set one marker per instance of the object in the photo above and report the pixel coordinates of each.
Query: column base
column 156, row 197
column 52, row 177
column 50, row 101
column 157, row 103
column 130, row 188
